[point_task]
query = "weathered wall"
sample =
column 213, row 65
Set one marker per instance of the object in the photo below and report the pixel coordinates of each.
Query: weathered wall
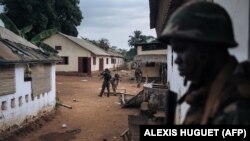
column 23, row 106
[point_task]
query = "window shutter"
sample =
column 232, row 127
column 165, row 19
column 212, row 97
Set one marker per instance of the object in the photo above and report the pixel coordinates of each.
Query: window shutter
column 41, row 78
column 7, row 80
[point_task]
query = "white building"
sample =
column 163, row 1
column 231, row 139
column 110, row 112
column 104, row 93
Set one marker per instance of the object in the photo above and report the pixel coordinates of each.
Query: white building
column 27, row 81
column 80, row 56
column 152, row 59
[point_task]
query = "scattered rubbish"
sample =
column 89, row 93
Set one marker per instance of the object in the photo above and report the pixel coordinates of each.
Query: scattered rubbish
column 118, row 103
column 64, row 125
column 60, row 136
column 75, row 100
column 64, row 105
column 74, row 131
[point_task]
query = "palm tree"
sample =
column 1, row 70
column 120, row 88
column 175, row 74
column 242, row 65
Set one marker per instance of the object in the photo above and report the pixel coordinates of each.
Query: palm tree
column 137, row 37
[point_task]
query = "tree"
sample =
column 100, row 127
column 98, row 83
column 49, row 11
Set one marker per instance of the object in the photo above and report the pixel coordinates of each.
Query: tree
column 9, row 24
column 104, row 43
column 37, row 40
column 63, row 15
column 130, row 54
column 137, row 37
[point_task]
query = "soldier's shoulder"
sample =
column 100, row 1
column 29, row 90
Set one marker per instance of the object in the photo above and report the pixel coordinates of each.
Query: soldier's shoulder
column 235, row 113
column 241, row 79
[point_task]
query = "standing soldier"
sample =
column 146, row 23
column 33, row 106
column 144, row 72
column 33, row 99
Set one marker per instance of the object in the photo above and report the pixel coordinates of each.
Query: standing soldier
column 200, row 34
column 115, row 81
column 138, row 76
column 106, row 79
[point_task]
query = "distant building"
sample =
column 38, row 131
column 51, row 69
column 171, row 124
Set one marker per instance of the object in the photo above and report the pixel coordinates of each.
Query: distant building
column 27, row 81
column 80, row 56
column 152, row 59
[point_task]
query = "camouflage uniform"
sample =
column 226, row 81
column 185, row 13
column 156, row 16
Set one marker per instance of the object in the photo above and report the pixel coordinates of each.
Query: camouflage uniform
column 225, row 99
column 106, row 76
column 138, row 75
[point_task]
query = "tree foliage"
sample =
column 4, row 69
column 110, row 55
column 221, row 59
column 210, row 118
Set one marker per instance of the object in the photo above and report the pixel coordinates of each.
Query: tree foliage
column 130, row 54
column 64, row 15
column 37, row 39
column 137, row 37
column 9, row 24
column 102, row 43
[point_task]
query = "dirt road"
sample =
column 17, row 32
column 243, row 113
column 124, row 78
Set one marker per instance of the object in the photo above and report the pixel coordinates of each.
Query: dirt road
column 91, row 118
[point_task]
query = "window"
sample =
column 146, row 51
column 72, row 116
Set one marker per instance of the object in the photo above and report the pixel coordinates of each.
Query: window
column 64, row 60
column 41, row 79
column 107, row 61
column 153, row 47
column 94, row 60
column 7, row 77
column 113, row 61
column 58, row 47
column 150, row 64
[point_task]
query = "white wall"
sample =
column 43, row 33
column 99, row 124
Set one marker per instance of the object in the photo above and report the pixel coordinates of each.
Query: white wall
column 160, row 51
column 119, row 62
column 239, row 12
column 96, row 66
column 27, row 110
column 70, row 49
column 176, row 84
column 150, row 71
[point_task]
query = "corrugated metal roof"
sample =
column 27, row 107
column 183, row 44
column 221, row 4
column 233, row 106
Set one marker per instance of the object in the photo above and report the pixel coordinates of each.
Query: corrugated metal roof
column 87, row 45
column 14, row 49
column 154, row 10
column 157, row 58
column 114, row 53
column 9, row 35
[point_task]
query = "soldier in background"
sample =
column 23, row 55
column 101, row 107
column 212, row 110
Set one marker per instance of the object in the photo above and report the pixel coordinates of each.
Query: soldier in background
column 138, row 76
column 106, row 80
column 115, row 81
column 200, row 34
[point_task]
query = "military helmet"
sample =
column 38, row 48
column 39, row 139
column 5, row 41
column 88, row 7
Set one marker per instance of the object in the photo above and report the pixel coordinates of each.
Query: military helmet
column 200, row 21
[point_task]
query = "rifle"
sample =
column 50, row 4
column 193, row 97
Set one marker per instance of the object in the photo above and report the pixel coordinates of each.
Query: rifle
column 171, row 102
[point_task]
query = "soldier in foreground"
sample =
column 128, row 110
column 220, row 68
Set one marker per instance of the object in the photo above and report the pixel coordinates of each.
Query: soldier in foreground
column 200, row 34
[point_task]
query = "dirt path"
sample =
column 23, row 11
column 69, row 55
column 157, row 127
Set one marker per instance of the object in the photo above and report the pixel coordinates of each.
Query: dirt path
column 91, row 118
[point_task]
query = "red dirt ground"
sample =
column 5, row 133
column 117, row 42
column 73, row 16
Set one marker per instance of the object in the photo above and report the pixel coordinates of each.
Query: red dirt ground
column 92, row 118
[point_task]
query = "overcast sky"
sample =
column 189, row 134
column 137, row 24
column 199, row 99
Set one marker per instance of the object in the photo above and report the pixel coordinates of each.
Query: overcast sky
column 114, row 20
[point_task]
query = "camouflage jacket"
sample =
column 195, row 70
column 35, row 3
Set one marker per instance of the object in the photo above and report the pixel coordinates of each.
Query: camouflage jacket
column 225, row 101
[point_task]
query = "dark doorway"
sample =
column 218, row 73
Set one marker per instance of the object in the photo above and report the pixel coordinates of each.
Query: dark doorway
column 84, row 65
column 101, row 64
